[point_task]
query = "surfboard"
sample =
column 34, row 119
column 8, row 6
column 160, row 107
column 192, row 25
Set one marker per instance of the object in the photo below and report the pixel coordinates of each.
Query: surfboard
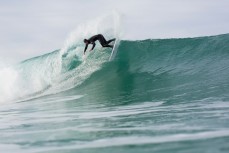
column 114, row 50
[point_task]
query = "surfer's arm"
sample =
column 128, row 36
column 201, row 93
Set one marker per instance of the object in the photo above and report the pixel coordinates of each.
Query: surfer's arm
column 85, row 48
column 93, row 46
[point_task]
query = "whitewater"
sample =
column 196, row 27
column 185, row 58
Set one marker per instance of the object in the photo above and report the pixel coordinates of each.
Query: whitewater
column 155, row 95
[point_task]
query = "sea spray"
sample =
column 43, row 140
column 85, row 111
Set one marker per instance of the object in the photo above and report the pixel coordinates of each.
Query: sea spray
column 61, row 69
column 29, row 77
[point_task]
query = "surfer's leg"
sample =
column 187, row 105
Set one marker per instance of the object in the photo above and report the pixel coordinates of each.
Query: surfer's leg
column 109, row 41
column 102, row 40
column 111, row 46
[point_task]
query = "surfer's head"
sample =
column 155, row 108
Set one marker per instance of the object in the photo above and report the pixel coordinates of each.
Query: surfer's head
column 85, row 41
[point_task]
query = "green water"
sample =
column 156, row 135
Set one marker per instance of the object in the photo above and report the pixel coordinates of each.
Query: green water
column 162, row 96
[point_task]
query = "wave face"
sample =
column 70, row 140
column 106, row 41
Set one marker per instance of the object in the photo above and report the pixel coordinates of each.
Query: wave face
column 190, row 68
column 159, row 95
column 177, row 66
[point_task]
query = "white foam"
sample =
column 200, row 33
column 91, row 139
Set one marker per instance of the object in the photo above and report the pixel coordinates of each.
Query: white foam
column 8, row 79
column 140, row 140
column 109, row 25
column 44, row 75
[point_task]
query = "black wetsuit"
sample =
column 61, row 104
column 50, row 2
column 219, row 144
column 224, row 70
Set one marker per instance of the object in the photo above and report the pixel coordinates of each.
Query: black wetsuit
column 101, row 39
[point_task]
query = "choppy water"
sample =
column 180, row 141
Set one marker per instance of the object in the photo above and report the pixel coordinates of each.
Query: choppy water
column 166, row 95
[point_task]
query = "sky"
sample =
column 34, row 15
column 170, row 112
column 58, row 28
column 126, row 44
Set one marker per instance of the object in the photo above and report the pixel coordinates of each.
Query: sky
column 30, row 27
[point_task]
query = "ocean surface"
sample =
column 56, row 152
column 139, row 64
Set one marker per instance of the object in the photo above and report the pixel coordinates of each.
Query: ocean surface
column 156, row 95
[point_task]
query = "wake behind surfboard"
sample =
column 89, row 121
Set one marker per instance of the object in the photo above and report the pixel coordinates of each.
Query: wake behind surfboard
column 114, row 49
column 113, row 52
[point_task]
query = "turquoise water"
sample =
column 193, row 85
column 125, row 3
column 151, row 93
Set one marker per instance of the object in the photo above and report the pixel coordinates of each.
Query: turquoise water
column 163, row 96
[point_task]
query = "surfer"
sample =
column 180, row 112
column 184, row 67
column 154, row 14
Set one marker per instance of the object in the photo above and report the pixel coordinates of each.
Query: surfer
column 100, row 38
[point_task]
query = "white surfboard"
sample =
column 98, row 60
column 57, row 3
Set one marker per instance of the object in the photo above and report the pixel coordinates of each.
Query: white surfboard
column 114, row 50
